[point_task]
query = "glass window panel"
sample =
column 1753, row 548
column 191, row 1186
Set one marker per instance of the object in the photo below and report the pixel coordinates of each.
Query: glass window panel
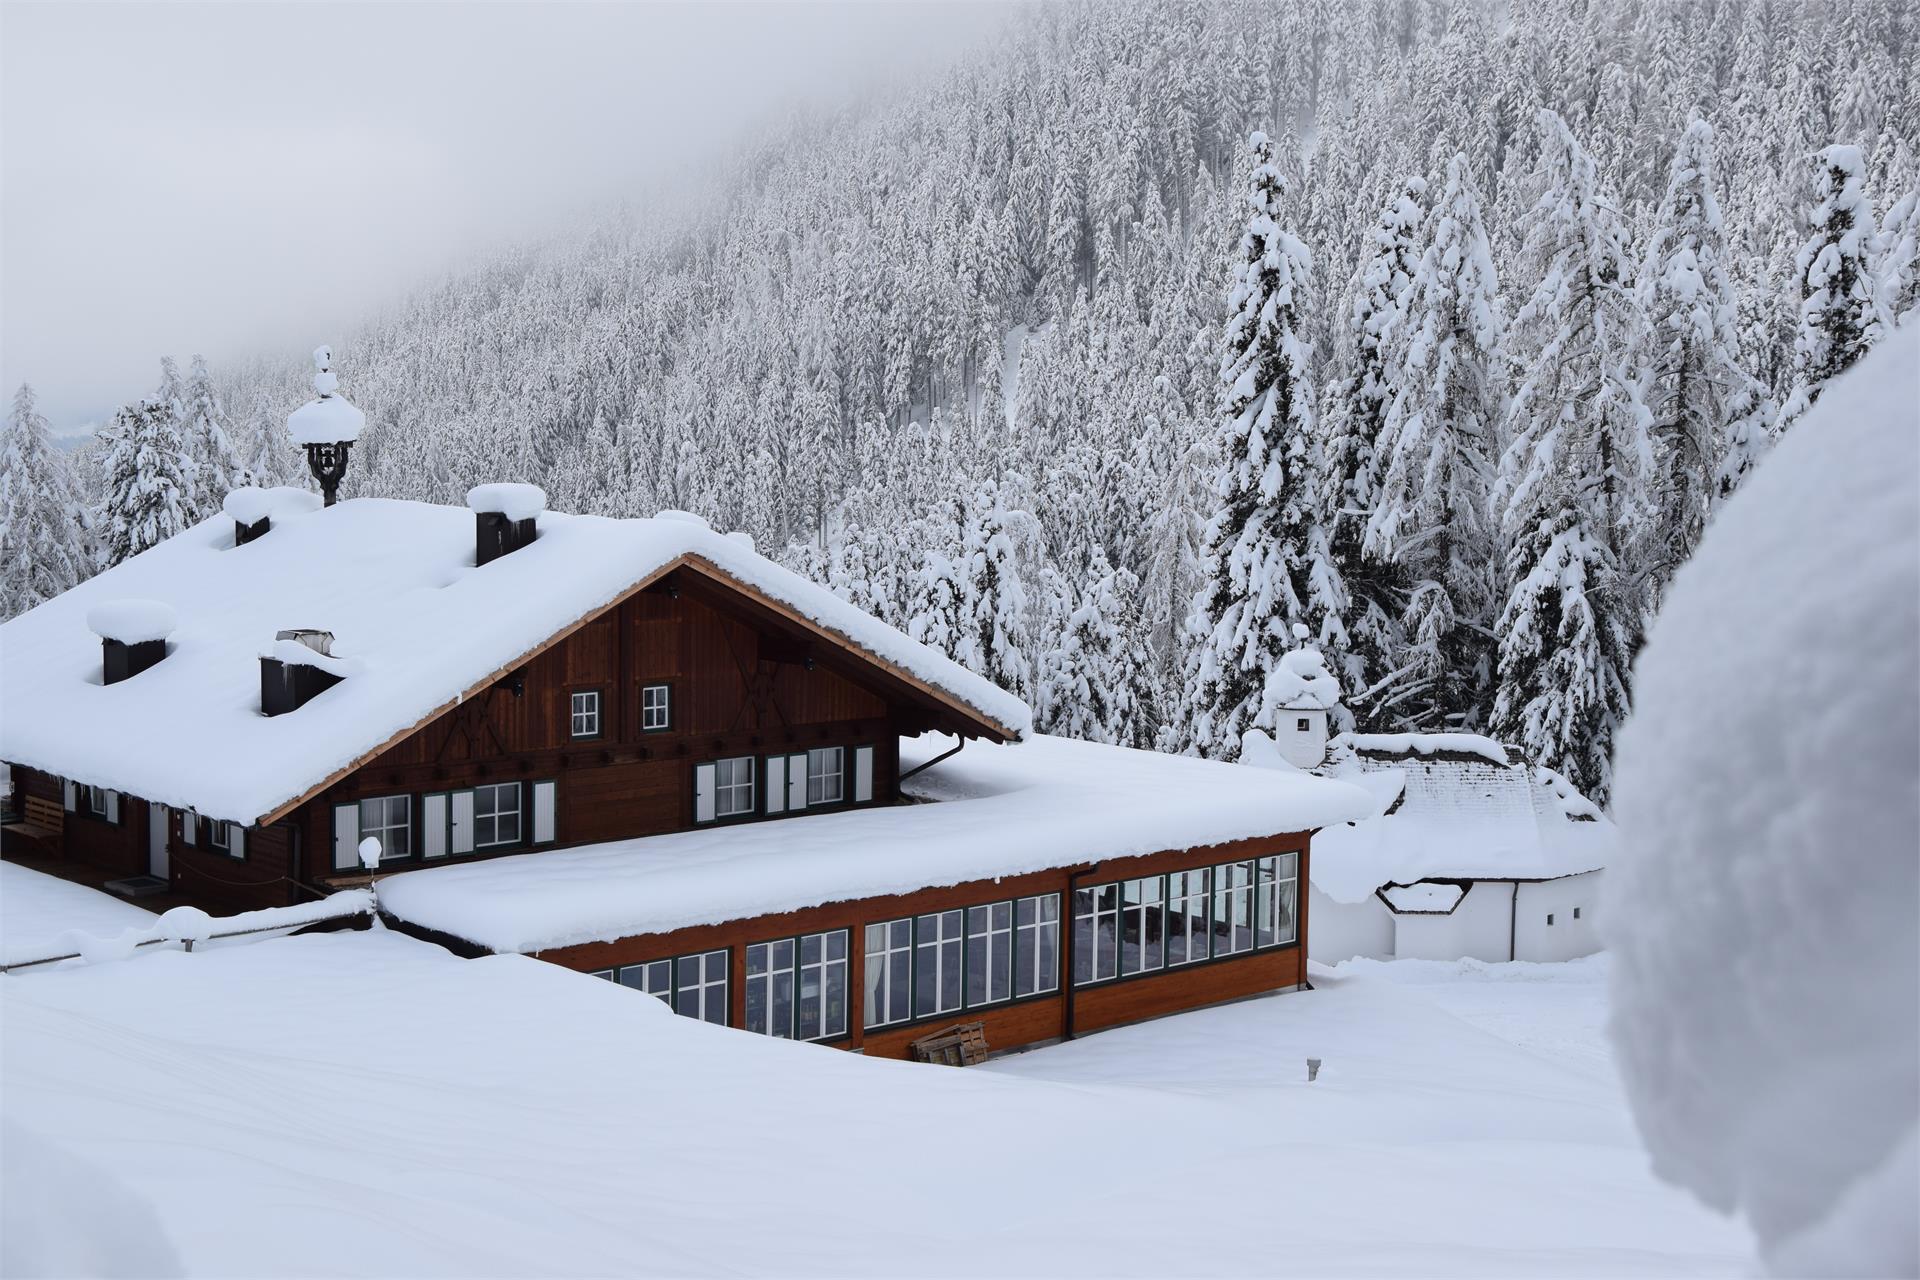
column 824, row 775
column 654, row 707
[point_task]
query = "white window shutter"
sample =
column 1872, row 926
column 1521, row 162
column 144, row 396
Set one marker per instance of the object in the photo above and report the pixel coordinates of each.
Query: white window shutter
column 776, row 784
column 460, row 834
column 862, row 774
column 236, row 841
column 70, row 795
column 797, row 781
column 433, row 825
column 543, row 812
column 346, row 837
column 113, row 806
column 703, row 793
column 190, row 827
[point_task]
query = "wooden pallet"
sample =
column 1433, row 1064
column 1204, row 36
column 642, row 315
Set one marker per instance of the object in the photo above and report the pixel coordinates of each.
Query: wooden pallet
column 958, row 1046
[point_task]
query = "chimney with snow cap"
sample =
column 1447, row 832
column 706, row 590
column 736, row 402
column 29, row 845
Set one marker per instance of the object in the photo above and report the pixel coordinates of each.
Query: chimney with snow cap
column 299, row 667
column 252, row 512
column 326, row 427
column 133, row 636
column 504, row 518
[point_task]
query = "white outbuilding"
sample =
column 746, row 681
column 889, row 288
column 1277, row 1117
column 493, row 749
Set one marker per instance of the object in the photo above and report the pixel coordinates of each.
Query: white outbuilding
column 1470, row 852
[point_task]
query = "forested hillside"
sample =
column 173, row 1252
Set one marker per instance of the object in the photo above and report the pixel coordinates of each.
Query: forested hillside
column 960, row 353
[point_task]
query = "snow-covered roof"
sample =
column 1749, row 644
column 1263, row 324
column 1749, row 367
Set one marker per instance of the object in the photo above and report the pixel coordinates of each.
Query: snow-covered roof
column 1456, row 806
column 1000, row 811
column 418, row 625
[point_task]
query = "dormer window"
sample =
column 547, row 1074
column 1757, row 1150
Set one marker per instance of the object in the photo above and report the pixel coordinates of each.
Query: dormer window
column 586, row 713
column 656, row 708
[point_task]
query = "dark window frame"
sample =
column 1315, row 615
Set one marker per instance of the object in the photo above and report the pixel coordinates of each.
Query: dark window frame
column 797, row 969
column 1213, row 889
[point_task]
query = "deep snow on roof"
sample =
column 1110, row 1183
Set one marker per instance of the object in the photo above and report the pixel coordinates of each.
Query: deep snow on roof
column 396, row 584
column 1443, row 807
column 999, row 811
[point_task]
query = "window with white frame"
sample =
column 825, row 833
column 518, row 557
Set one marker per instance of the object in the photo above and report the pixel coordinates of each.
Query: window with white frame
column 98, row 803
column 1036, row 945
column 655, row 977
column 219, row 837
column 656, row 707
column 797, row 987
column 1142, row 925
column 822, row 1005
column 496, row 815
column 1096, row 933
column 389, row 819
column 585, row 709
column 1187, row 897
column 989, row 953
column 889, row 973
column 1274, row 887
column 1232, row 908
column 700, row 987
column 825, row 783
column 770, row 988
column 937, row 943
column 733, row 787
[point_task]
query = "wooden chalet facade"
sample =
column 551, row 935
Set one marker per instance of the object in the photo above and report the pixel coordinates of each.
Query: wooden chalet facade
column 695, row 699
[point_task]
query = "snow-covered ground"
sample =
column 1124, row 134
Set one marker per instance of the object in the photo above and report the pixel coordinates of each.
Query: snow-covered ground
column 36, row 910
column 362, row 1103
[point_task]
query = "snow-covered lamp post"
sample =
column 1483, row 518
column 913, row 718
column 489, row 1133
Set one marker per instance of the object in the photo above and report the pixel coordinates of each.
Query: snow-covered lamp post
column 326, row 427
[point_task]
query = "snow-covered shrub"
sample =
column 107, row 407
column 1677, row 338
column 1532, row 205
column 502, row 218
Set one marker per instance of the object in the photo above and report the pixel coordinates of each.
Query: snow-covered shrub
column 1762, row 914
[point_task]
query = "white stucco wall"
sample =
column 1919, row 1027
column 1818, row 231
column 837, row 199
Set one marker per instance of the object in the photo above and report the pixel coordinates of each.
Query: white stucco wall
column 1339, row 931
column 1301, row 748
column 1476, row 928
column 1567, row 937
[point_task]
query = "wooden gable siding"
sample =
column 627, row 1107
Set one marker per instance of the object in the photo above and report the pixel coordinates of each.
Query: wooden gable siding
column 728, row 678
column 741, row 685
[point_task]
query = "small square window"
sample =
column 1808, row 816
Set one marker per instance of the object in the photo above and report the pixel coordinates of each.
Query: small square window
column 656, row 708
column 733, row 787
column 496, row 815
column 1302, row 725
column 586, row 713
column 824, row 776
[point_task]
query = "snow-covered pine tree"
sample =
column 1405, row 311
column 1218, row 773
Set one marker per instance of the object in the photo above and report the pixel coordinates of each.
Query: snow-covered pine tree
column 1433, row 466
column 1355, row 419
column 1898, row 286
column 937, row 593
column 994, row 636
column 204, row 429
column 42, row 543
column 1838, row 311
column 149, row 479
column 1268, row 562
column 1569, row 481
column 1708, row 413
column 1099, row 679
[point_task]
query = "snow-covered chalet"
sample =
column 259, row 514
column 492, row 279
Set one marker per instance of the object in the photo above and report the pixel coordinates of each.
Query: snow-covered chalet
column 638, row 749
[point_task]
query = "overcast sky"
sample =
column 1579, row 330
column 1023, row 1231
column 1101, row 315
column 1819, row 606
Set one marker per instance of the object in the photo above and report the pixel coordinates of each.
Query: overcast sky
column 222, row 177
